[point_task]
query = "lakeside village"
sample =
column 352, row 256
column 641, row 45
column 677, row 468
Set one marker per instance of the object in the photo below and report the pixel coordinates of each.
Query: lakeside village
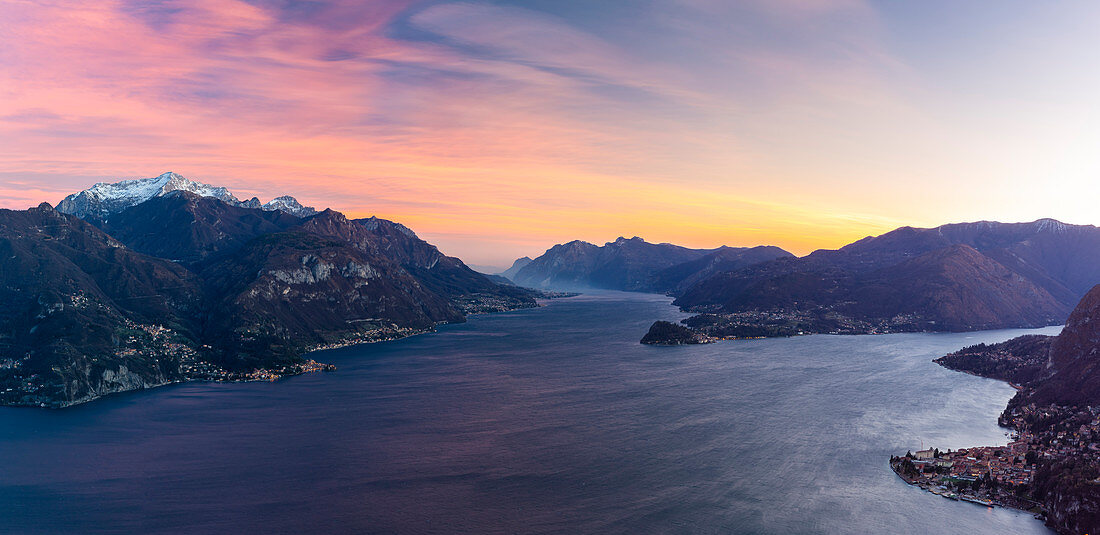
column 1007, row 475
column 162, row 343
column 984, row 475
column 791, row 322
column 159, row 347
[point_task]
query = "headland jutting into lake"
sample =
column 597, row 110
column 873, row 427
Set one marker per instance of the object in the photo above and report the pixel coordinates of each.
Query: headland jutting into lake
column 1052, row 466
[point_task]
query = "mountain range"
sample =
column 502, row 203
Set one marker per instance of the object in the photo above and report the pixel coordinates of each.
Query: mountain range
column 142, row 282
column 632, row 265
column 103, row 200
column 146, row 282
column 955, row 277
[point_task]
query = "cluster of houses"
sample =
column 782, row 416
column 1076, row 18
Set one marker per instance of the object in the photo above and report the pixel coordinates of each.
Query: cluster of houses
column 1058, row 431
column 1004, row 464
column 987, row 476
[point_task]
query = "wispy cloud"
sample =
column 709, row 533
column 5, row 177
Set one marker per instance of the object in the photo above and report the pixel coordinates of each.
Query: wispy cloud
column 795, row 122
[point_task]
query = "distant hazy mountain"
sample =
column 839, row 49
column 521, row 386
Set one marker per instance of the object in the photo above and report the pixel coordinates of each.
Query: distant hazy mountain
column 178, row 280
column 678, row 278
column 103, row 200
column 955, row 277
column 632, row 265
column 519, row 264
column 501, row 279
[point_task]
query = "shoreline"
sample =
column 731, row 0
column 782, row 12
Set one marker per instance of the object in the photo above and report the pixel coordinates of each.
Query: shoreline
column 255, row 376
column 272, row 375
column 989, row 501
column 998, row 476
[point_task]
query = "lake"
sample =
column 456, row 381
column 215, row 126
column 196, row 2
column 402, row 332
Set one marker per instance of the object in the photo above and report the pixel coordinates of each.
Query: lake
column 549, row 420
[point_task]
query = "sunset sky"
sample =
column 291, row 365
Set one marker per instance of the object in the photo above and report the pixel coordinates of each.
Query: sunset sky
column 496, row 129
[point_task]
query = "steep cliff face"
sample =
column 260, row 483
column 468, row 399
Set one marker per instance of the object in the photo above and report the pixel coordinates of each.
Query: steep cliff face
column 1075, row 358
column 1070, row 497
column 86, row 380
column 285, row 292
column 468, row 290
column 566, row 265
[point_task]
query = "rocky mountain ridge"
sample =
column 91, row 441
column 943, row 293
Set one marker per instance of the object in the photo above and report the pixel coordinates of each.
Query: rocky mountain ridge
column 101, row 201
column 185, row 286
column 956, row 277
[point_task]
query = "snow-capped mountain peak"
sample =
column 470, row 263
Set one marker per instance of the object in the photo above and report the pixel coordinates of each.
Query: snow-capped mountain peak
column 290, row 205
column 174, row 182
column 1050, row 225
column 103, row 199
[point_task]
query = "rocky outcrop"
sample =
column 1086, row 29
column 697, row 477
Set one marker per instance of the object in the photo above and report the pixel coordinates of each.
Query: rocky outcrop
column 289, row 291
column 287, row 205
column 1074, row 510
column 95, row 382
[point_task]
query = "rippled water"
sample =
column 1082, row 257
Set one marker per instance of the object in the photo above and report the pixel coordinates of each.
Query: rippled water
column 552, row 420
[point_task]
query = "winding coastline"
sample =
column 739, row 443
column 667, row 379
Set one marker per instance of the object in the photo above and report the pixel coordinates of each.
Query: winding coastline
column 1049, row 468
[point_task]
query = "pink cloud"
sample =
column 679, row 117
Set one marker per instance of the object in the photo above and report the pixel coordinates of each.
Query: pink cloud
column 501, row 120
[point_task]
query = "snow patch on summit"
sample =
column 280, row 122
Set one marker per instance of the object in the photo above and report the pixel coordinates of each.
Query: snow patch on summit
column 290, row 205
column 103, row 199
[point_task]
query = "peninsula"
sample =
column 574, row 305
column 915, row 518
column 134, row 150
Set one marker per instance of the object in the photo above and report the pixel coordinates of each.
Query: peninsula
column 1052, row 467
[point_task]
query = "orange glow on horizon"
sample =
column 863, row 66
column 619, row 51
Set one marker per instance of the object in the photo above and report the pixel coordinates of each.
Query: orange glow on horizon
column 497, row 131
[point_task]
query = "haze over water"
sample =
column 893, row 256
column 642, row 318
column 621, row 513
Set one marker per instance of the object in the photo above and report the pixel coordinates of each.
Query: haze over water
column 553, row 420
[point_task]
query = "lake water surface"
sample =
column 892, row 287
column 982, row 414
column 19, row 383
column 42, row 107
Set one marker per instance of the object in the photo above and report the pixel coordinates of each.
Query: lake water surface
column 552, row 420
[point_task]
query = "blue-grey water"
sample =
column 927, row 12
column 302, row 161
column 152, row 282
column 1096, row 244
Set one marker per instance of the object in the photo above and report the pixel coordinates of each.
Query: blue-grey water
column 552, row 420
